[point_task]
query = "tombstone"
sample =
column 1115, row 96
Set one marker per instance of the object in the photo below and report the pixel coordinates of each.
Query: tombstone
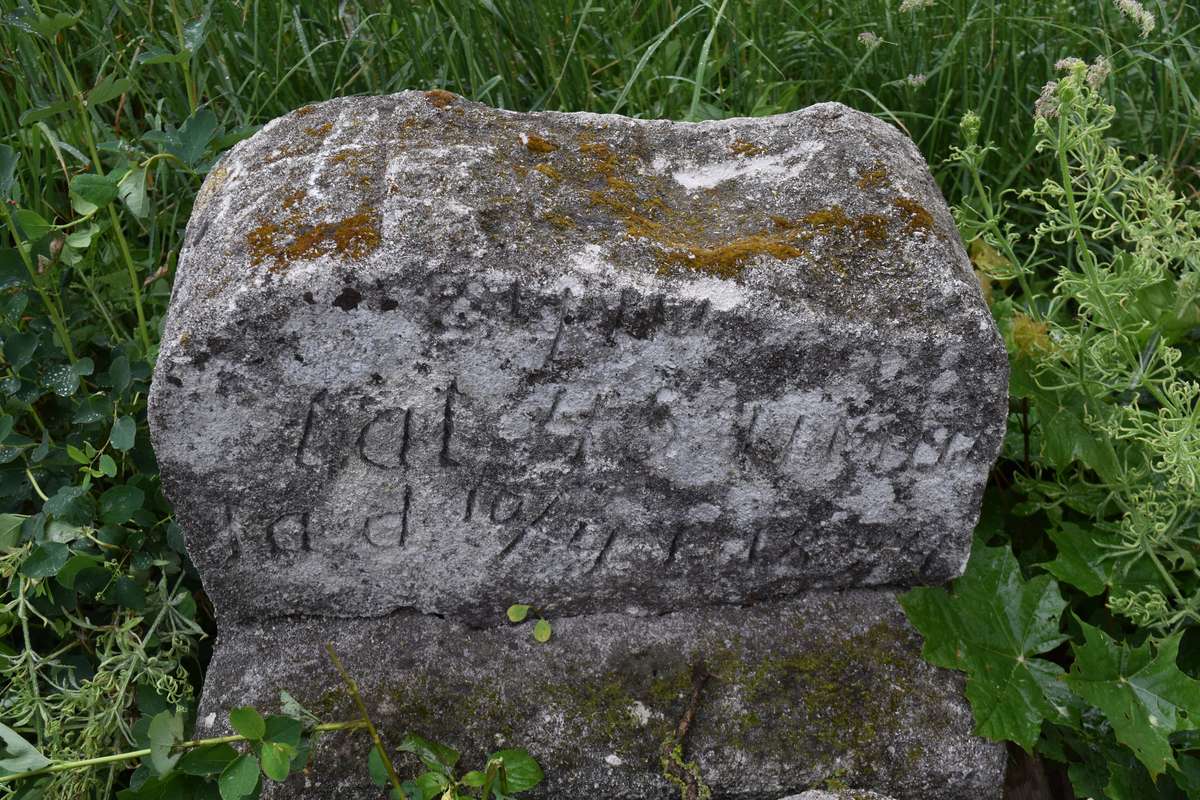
column 705, row 395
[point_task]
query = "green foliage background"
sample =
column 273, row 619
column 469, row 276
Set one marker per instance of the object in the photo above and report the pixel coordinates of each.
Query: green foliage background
column 1084, row 571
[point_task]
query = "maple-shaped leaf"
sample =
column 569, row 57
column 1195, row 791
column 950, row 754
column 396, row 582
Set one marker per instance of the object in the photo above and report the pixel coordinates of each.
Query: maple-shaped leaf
column 991, row 626
column 1145, row 698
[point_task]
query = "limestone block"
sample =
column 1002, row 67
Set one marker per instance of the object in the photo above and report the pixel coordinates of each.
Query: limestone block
column 426, row 355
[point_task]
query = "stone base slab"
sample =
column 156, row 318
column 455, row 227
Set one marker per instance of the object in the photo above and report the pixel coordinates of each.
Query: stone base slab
column 825, row 689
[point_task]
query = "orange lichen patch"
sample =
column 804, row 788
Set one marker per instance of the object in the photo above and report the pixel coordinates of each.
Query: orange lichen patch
column 915, row 215
column 319, row 130
column 874, row 177
column 520, row 169
column 620, row 184
column 727, row 260
column 292, row 199
column 536, row 144
column 559, row 220
column 743, row 148
column 304, row 111
column 440, row 98
column 355, row 163
column 696, row 231
column 353, row 237
column 261, row 242
column 834, row 220
column 602, row 159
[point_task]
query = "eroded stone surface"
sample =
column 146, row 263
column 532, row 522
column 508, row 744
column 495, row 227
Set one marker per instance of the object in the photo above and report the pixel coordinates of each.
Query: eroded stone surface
column 827, row 688
column 423, row 354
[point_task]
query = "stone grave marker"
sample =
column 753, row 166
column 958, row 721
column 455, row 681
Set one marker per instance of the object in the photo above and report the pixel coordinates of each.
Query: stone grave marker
column 701, row 393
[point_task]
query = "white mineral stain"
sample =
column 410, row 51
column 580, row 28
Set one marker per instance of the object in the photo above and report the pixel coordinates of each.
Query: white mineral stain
column 721, row 294
column 613, row 760
column 769, row 169
column 875, row 503
column 590, row 260
column 640, row 712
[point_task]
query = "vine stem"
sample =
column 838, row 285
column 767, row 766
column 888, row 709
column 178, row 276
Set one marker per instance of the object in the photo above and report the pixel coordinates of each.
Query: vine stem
column 352, row 686
column 64, row 766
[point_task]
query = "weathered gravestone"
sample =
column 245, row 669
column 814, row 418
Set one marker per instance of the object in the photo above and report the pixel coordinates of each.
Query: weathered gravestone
column 687, row 388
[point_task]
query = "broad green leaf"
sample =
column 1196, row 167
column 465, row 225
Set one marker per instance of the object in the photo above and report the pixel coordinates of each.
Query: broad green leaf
column 6, row 426
column 38, row 113
column 194, row 135
column 118, row 374
column 160, row 55
column 282, row 730
column 292, row 708
column 75, row 565
column 45, row 560
column 132, row 191
column 474, row 779
column 19, row 755
column 119, row 503
column 209, row 760
column 1145, row 698
column 195, row 32
column 376, row 768
column 62, row 380
column 239, row 779
column 59, row 531
column 433, row 755
column 89, row 193
column 518, row 612
column 248, row 722
column 1078, row 562
column 31, row 227
column 542, row 631
column 49, row 26
column 991, row 627
column 124, row 431
column 42, row 450
column 431, row 785
column 521, row 772
column 166, row 730
column 129, row 594
column 108, row 89
column 276, row 758
column 71, row 504
column 19, row 348
column 108, row 467
column 10, row 529
column 8, row 170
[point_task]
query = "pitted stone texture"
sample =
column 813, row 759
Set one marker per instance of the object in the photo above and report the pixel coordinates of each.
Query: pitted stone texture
column 423, row 354
column 828, row 686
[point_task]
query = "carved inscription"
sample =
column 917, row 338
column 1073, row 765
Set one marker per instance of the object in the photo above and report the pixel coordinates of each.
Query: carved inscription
column 289, row 534
column 384, row 441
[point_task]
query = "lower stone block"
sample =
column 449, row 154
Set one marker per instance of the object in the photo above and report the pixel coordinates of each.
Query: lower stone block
column 826, row 690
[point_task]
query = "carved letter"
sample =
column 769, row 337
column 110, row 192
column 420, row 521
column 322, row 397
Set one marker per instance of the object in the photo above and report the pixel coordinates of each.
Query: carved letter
column 308, row 454
column 384, row 440
column 289, row 534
